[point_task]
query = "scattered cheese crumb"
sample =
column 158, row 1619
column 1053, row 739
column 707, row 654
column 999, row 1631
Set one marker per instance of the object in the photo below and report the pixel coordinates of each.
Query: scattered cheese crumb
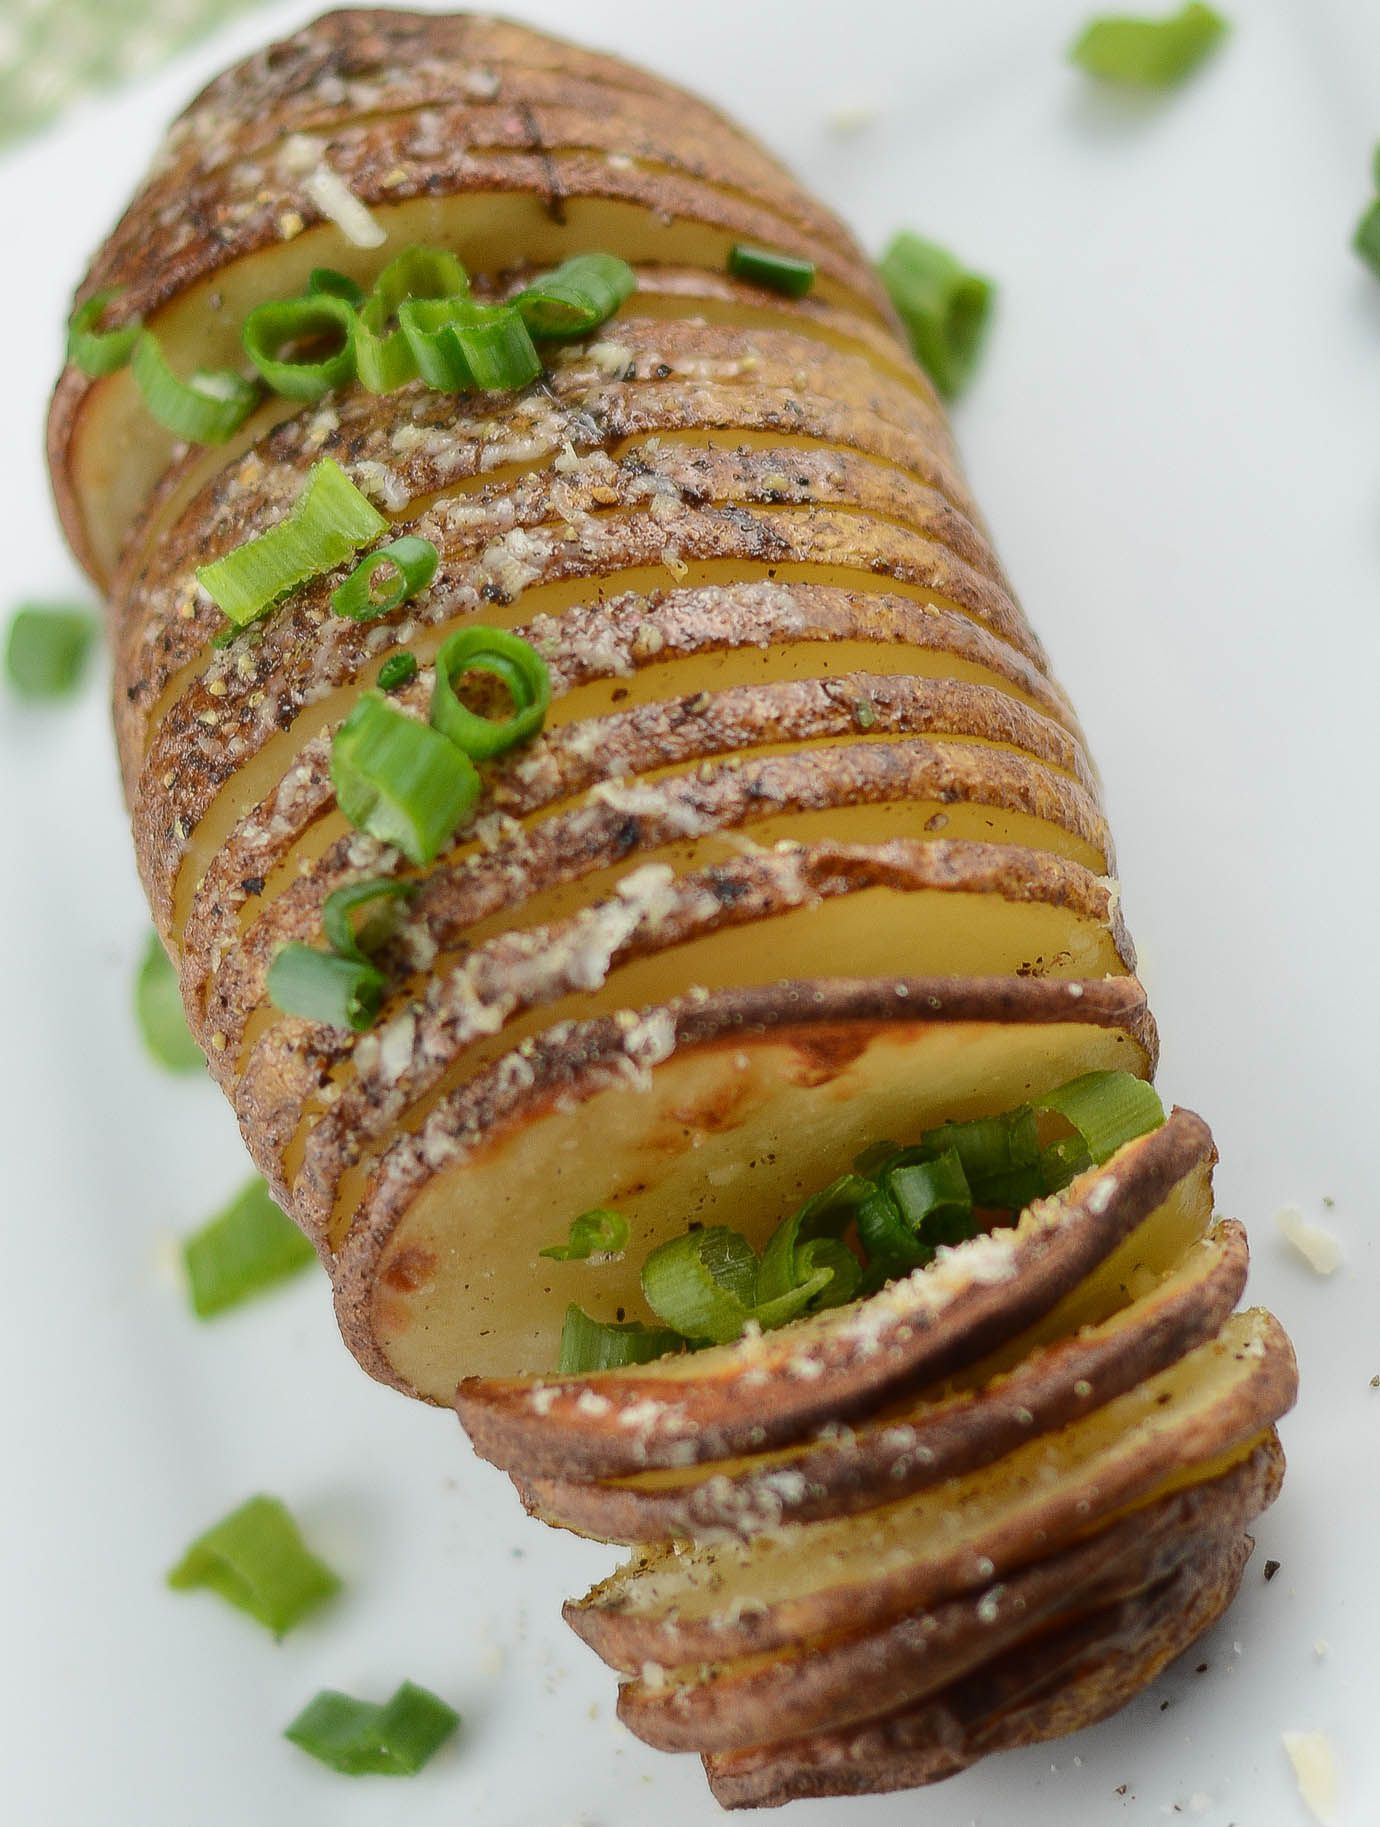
column 1319, row 1248
column 339, row 204
column 850, row 119
column 1315, row 1766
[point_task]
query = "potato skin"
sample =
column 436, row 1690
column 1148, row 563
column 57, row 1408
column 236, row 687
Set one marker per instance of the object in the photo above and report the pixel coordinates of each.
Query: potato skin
column 736, row 528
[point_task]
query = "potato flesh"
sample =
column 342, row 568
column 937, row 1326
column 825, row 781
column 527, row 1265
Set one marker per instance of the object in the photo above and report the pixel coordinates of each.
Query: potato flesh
column 1137, row 1430
column 882, row 932
column 732, row 1135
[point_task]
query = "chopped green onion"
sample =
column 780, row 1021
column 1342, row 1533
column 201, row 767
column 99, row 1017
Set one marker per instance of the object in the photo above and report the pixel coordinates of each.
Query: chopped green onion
column 590, row 1344
column 159, row 1012
column 460, row 346
column 329, row 520
column 410, row 561
column 1108, row 1109
column 326, row 282
column 205, row 410
column 319, row 986
column 1366, row 240
column 597, row 1232
column 398, row 669
column 401, row 781
column 807, row 1251
column 1149, row 53
column 934, row 1199
column 46, row 650
column 343, row 937
column 257, row 1560
column 943, row 307
column 778, row 272
column 358, row 1738
column 383, row 355
column 579, row 295
column 519, row 667
column 288, row 323
column 244, row 1250
column 96, row 351
column 703, row 1283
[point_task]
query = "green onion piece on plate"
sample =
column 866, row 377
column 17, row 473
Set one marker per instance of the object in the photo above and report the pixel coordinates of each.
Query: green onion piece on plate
column 398, row 669
column 1148, row 53
column 591, row 1344
column 205, row 410
column 329, row 520
column 1366, row 240
column 408, row 565
column 96, row 351
column 244, row 1250
column 256, row 1559
column 509, row 659
column 272, row 331
column 598, row 1232
column 46, row 650
column 359, row 1738
column 326, row 282
column 159, row 1012
column 943, row 306
column 777, row 272
column 400, row 780
column 320, row 986
column 576, row 297
column 1108, row 1109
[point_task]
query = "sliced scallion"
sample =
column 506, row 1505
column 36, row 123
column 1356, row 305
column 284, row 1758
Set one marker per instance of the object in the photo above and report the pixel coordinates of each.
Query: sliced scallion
column 326, row 282
column 704, row 1283
column 319, row 986
column 1149, row 53
column 205, row 410
column 460, row 346
column 244, row 1250
column 360, row 1738
column 329, row 520
column 777, row 272
column 398, row 669
column 383, row 355
column 590, row 1344
column 282, row 325
column 943, row 306
column 1108, row 1109
column 408, row 565
column 1366, row 240
column 807, row 1253
column 934, row 1199
column 159, row 1012
column 46, row 650
column 579, row 295
column 96, row 351
column 256, row 1559
column 518, row 666
column 399, row 780
column 337, row 916
column 594, row 1233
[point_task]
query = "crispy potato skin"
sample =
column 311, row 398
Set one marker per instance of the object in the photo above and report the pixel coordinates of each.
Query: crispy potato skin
column 810, row 843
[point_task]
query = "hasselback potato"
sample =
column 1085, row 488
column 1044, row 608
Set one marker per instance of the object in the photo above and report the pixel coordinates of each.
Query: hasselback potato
column 805, row 859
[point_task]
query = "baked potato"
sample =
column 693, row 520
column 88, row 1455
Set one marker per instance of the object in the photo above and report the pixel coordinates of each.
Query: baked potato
column 801, row 857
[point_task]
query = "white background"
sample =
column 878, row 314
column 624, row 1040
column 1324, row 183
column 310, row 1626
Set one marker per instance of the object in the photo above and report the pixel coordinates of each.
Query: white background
column 1176, row 436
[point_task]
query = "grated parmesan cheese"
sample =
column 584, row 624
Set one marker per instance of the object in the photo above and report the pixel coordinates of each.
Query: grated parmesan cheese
column 1318, row 1248
column 1315, row 1766
column 339, row 204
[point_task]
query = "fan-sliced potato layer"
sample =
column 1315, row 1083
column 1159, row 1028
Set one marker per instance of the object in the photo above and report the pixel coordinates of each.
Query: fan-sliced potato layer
column 809, row 854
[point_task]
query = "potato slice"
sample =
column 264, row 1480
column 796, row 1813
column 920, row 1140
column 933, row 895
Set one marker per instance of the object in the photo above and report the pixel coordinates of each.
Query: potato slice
column 922, row 1442
column 732, row 1599
column 1065, row 1682
column 828, row 1686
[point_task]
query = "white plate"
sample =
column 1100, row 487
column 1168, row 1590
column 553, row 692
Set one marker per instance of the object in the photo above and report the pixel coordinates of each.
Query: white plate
column 1175, row 435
